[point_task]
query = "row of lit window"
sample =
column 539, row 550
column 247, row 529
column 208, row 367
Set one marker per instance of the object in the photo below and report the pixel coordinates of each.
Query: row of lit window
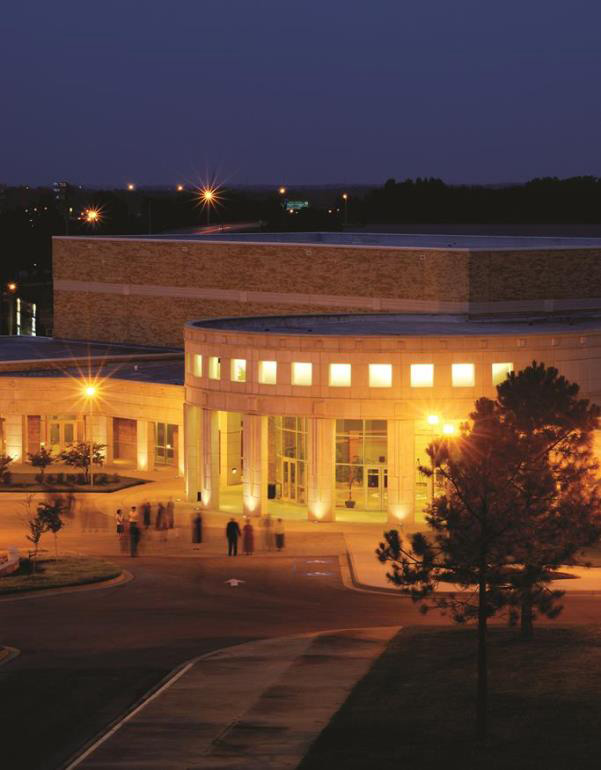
column 380, row 375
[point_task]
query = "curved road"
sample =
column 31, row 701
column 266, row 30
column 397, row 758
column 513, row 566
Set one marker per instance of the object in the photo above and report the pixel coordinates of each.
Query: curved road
column 86, row 656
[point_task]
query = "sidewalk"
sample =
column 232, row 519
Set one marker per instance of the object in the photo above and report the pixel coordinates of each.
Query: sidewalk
column 255, row 706
column 368, row 572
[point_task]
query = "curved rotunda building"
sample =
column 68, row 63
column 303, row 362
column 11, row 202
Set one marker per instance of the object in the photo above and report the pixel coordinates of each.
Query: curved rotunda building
column 331, row 415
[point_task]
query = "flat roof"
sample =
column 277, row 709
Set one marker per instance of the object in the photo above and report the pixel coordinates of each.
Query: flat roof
column 50, row 357
column 402, row 324
column 156, row 372
column 389, row 240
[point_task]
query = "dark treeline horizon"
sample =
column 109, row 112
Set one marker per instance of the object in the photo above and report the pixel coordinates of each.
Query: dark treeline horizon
column 29, row 217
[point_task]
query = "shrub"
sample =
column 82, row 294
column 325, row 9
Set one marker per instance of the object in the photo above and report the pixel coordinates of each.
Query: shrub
column 50, row 479
column 81, row 478
column 71, row 478
column 39, row 478
column 60, row 478
column 115, row 478
column 7, row 478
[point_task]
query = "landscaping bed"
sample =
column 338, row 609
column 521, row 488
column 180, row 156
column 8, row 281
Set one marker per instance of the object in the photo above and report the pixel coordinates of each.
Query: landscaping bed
column 415, row 708
column 68, row 482
column 58, row 573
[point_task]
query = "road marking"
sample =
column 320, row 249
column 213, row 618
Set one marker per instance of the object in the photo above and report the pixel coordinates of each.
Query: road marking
column 234, row 582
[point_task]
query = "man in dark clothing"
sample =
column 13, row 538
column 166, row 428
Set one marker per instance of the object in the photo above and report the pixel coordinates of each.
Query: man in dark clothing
column 232, row 532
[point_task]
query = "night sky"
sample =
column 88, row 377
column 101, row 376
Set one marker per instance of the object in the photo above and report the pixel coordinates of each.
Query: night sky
column 321, row 91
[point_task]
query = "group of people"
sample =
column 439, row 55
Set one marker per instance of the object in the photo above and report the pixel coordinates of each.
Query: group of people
column 128, row 526
column 273, row 535
column 131, row 525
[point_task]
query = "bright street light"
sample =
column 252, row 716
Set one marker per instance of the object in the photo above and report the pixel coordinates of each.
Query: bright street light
column 90, row 391
column 209, row 196
column 433, row 419
column 282, row 191
column 131, row 186
column 448, row 429
column 180, row 188
column 345, row 199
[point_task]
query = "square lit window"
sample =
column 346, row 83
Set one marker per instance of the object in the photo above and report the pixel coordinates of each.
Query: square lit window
column 340, row 375
column 197, row 365
column 463, row 375
column 238, row 370
column 268, row 372
column 500, row 372
column 302, row 373
column 214, row 368
column 380, row 375
column 422, row 375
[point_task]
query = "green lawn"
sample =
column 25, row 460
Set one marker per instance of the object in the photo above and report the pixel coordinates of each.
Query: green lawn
column 415, row 708
column 57, row 573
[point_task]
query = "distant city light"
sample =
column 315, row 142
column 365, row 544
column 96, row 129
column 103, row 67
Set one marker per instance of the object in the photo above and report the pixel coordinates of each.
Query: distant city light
column 282, row 191
column 131, row 186
column 180, row 188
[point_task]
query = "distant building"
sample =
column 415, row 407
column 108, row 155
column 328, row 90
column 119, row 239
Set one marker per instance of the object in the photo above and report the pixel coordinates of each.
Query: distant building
column 352, row 353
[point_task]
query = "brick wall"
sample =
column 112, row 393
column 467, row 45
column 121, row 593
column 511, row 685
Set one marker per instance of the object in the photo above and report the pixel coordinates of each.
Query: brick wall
column 144, row 291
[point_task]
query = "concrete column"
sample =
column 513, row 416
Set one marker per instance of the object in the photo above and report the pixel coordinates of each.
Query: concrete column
column 142, row 459
column 321, row 468
column 401, row 473
column 102, row 428
column 180, row 450
column 209, row 459
column 191, row 433
column 255, row 459
column 13, row 436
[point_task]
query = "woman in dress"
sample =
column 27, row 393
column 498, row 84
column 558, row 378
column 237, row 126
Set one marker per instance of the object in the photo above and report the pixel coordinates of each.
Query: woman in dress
column 248, row 538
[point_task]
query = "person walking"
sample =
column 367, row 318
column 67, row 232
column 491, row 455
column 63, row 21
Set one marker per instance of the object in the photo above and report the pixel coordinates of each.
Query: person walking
column 267, row 523
column 160, row 516
column 279, row 534
column 248, row 538
column 197, row 528
column 134, row 538
column 232, row 533
column 120, row 521
column 170, row 511
column 146, row 514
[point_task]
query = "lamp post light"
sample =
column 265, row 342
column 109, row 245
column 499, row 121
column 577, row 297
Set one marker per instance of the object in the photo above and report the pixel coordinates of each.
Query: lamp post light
column 208, row 196
column 90, row 393
column 282, row 191
column 131, row 186
column 345, row 199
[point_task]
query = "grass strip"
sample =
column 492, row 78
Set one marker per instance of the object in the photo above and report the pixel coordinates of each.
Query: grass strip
column 415, row 707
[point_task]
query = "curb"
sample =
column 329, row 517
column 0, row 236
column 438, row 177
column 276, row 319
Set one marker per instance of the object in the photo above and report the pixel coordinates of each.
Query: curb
column 121, row 579
column 348, row 575
column 7, row 654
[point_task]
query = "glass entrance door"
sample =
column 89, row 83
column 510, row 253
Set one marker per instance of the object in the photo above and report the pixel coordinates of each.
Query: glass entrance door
column 60, row 434
column 289, row 480
column 376, row 490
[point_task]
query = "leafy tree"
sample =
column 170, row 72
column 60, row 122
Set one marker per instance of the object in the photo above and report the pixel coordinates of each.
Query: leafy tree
column 5, row 461
column 41, row 459
column 556, row 489
column 473, row 529
column 78, row 456
column 50, row 515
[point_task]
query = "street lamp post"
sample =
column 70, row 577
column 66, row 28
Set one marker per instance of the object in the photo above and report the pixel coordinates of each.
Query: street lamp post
column 208, row 196
column 90, row 392
column 345, row 199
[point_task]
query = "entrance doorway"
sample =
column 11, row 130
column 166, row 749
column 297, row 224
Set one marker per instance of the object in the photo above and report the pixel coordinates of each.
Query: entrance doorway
column 293, row 482
column 376, row 490
column 61, row 433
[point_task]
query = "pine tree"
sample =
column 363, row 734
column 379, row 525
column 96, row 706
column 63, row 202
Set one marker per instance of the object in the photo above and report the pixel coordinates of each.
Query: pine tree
column 556, row 489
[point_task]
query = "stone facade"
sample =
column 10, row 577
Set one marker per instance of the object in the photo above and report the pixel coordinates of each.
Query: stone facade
column 143, row 290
